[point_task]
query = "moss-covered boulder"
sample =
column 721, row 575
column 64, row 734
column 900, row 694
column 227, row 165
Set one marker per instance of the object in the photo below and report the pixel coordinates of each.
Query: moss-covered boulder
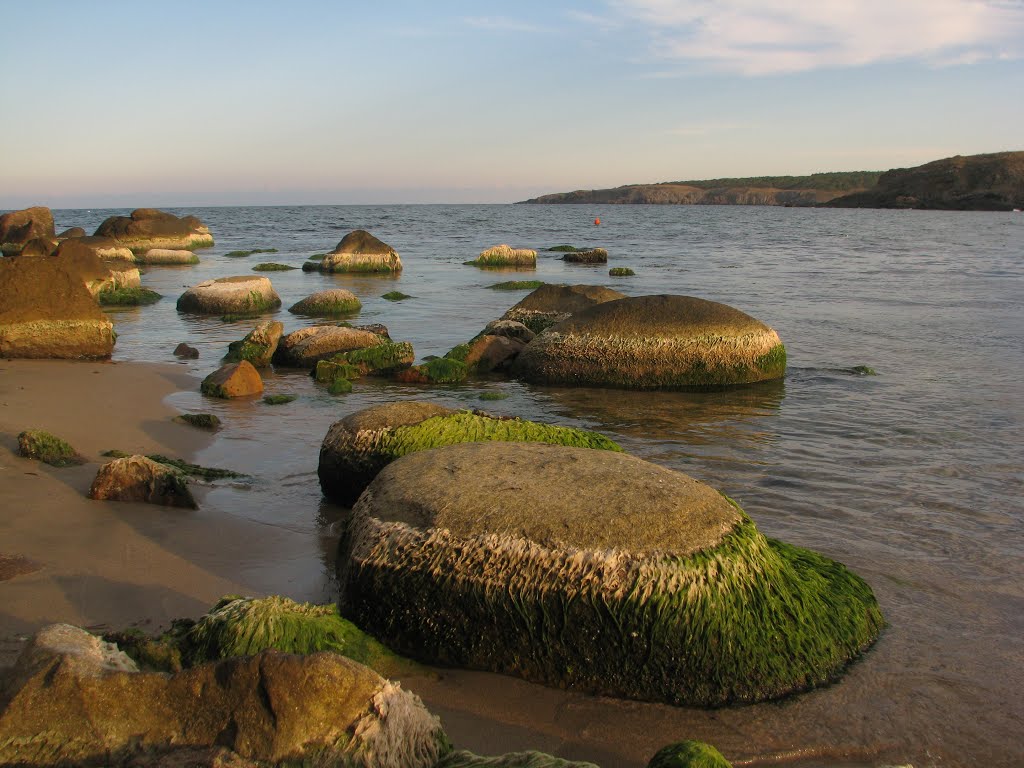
column 488, row 352
column 654, row 342
column 258, row 346
column 359, row 251
column 139, row 478
column 382, row 359
column 356, row 448
column 591, row 256
column 167, row 257
column 688, row 754
column 148, row 228
column 335, row 301
column 74, row 700
column 199, row 420
column 510, row 329
column 621, row 272
column 17, row 228
column 552, row 303
column 239, row 295
column 593, row 570
column 506, row 256
column 239, row 379
column 440, row 370
column 305, row 347
column 47, row 448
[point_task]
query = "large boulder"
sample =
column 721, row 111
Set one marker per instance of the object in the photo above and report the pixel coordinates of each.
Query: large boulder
column 356, row 448
column 593, row 570
column 359, row 251
column 258, row 346
column 239, row 379
column 138, row 478
column 241, row 295
column 552, row 303
column 74, row 700
column 47, row 311
column 148, row 228
column 104, row 248
column 19, row 227
column 654, row 342
column 305, row 347
column 333, row 301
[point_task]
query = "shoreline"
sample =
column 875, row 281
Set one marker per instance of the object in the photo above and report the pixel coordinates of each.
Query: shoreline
column 96, row 564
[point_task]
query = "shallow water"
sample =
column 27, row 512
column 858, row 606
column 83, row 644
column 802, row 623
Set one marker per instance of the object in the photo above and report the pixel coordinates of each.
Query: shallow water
column 913, row 477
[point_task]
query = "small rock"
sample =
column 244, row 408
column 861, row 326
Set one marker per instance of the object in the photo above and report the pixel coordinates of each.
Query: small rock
column 185, row 351
column 239, row 379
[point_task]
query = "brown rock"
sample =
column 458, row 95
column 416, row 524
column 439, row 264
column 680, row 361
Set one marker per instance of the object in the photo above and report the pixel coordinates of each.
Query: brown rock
column 258, row 346
column 18, row 227
column 46, row 310
column 148, row 228
column 243, row 294
column 550, row 304
column 167, row 256
column 305, row 347
column 239, row 379
column 359, row 251
column 489, row 353
column 137, row 478
column 185, row 351
column 510, row 328
column 71, row 232
column 591, row 256
column 76, row 700
column 39, row 246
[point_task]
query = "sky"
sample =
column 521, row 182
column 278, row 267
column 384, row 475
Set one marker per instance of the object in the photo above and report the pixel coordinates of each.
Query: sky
column 145, row 103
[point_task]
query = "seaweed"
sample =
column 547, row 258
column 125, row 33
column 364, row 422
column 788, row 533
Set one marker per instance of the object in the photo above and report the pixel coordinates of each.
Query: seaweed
column 280, row 399
column 47, row 448
column 127, row 297
column 199, row 420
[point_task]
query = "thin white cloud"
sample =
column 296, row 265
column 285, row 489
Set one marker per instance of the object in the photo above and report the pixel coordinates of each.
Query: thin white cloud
column 764, row 37
column 501, row 24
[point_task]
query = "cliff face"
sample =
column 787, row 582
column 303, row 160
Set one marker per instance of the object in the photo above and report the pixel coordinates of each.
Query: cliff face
column 684, row 194
column 993, row 182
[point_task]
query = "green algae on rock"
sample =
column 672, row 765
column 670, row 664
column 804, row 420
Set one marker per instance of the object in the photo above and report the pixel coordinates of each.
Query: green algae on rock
column 279, row 399
column 47, row 448
column 258, row 346
column 597, row 571
column 270, row 266
column 199, row 420
column 240, row 254
column 358, row 251
column 551, row 303
column 506, row 256
column 334, row 301
column 688, row 754
column 621, row 272
column 396, row 296
column 356, row 448
column 381, row 359
column 238, row 295
column 127, row 297
column 517, row 285
column 654, row 342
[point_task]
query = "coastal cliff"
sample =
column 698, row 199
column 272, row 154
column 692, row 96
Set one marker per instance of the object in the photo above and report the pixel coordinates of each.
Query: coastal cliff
column 993, row 182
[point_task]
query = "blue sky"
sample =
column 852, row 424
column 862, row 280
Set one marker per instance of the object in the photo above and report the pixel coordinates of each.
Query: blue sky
column 223, row 102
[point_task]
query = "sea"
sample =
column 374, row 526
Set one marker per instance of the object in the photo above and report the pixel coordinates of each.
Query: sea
column 911, row 474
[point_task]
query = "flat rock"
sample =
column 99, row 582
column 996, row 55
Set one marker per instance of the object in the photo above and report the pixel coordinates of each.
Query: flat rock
column 137, row 478
column 167, row 256
column 596, row 571
column 244, row 294
column 654, row 342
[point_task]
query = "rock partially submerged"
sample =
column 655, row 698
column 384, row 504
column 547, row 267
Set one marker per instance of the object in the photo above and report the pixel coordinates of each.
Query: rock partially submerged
column 138, row 478
column 551, row 303
column 506, row 256
column 105, row 248
column 258, row 346
column 654, row 342
column 148, row 228
column 239, row 295
column 591, row 256
column 334, row 301
column 20, row 227
column 46, row 311
column 167, row 256
column 356, row 448
column 239, row 379
column 305, row 347
column 593, row 570
column 73, row 699
column 359, row 251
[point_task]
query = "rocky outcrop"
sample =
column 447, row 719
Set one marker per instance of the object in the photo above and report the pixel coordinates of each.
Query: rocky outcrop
column 242, row 295
column 239, row 379
column 550, row 304
column 305, row 347
column 71, row 232
column 356, row 448
column 148, row 228
column 46, row 310
column 591, row 256
column 654, row 342
column 505, row 256
column 334, row 301
column 138, row 478
column 167, row 257
column 75, row 700
column 993, row 182
column 359, row 251
column 19, row 227
column 593, row 570
column 258, row 346
column 39, row 247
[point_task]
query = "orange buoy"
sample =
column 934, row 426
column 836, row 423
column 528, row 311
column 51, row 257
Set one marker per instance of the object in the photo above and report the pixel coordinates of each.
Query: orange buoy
column 597, row 222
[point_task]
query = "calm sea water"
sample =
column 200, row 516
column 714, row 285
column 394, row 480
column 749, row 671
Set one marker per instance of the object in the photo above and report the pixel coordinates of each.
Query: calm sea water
column 912, row 477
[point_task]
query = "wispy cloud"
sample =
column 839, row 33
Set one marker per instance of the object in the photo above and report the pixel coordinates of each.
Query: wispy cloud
column 763, row 37
column 501, row 24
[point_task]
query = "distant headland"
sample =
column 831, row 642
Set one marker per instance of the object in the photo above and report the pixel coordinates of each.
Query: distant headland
column 991, row 182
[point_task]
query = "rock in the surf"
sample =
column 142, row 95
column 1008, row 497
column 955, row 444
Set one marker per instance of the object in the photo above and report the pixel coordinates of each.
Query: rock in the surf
column 304, row 347
column 138, row 478
column 239, row 379
column 334, row 301
column 552, row 303
column 240, row 295
column 593, row 570
column 359, row 251
column 148, row 228
column 258, row 346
